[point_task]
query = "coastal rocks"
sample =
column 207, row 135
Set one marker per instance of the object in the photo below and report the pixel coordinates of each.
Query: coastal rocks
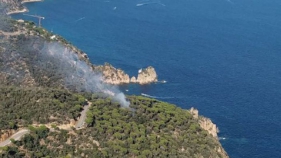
column 222, row 152
column 111, row 75
column 209, row 126
column 194, row 112
column 133, row 79
column 205, row 123
column 145, row 76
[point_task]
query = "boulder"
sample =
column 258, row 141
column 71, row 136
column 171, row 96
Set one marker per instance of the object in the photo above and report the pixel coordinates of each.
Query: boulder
column 111, row 75
column 147, row 75
column 205, row 123
column 133, row 79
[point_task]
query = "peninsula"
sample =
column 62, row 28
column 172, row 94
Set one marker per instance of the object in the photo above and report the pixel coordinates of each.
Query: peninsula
column 54, row 119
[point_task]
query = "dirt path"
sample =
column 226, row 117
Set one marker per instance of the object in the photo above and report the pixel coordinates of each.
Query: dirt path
column 80, row 123
column 16, row 136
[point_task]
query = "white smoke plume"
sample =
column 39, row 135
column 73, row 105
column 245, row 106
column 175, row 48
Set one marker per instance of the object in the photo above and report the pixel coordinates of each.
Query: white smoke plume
column 77, row 73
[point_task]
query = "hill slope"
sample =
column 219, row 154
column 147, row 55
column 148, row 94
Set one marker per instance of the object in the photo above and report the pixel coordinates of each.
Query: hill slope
column 35, row 96
column 151, row 128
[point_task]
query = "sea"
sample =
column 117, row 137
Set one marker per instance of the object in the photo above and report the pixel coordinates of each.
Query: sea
column 222, row 57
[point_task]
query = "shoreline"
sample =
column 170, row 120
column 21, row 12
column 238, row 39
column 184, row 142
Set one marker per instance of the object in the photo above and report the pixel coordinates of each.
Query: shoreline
column 119, row 77
column 24, row 9
column 17, row 11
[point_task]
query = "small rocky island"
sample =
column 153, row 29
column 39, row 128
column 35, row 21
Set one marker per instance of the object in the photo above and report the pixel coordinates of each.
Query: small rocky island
column 115, row 76
column 145, row 76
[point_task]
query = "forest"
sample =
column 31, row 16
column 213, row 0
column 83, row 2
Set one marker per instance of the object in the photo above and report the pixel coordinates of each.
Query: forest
column 149, row 128
column 21, row 107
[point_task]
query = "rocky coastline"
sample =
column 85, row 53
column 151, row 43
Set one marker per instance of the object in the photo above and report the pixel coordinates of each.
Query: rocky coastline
column 16, row 6
column 205, row 123
column 145, row 76
column 115, row 76
column 111, row 75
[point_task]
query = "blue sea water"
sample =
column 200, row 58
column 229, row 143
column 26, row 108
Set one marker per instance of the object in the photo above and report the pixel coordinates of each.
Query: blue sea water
column 220, row 56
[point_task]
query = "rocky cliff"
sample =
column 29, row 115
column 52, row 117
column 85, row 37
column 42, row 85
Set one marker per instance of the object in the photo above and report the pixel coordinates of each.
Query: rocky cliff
column 205, row 123
column 145, row 76
column 209, row 126
column 112, row 75
column 115, row 76
column 25, row 31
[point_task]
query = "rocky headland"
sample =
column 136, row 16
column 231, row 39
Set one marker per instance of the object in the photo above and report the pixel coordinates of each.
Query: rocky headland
column 22, row 30
column 205, row 123
column 111, row 75
column 115, row 76
column 16, row 6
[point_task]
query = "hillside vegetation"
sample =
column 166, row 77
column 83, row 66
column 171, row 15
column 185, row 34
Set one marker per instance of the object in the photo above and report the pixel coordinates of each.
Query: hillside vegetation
column 24, row 106
column 151, row 128
column 33, row 96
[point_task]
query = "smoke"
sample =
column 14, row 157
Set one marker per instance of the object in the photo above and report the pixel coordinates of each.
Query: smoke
column 63, row 64
column 77, row 74
column 5, row 21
